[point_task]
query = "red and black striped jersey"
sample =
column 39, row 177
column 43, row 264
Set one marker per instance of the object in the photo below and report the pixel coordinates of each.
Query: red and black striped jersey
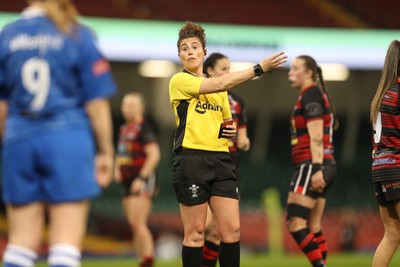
column 131, row 143
column 386, row 139
column 239, row 117
column 312, row 104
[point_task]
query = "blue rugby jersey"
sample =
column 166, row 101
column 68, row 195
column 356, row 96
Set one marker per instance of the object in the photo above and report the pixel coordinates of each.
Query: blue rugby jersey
column 47, row 77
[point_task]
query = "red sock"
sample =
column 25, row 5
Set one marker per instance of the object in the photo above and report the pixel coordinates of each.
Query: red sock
column 147, row 262
column 210, row 254
column 323, row 245
column 306, row 241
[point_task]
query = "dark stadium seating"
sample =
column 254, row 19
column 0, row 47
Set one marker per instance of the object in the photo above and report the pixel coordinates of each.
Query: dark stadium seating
column 379, row 14
column 305, row 13
column 287, row 13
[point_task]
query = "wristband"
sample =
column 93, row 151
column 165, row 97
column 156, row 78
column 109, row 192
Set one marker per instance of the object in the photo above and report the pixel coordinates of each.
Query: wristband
column 141, row 177
column 315, row 167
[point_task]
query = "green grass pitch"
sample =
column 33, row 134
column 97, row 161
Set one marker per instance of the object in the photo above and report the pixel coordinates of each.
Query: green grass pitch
column 291, row 260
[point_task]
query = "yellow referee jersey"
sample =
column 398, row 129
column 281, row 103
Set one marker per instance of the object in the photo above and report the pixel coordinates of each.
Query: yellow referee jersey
column 198, row 116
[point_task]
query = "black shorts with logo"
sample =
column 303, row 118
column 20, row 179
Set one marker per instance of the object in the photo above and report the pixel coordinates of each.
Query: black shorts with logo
column 301, row 180
column 197, row 175
column 387, row 192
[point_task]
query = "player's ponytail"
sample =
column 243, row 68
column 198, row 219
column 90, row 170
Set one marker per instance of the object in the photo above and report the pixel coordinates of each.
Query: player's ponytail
column 323, row 86
column 63, row 13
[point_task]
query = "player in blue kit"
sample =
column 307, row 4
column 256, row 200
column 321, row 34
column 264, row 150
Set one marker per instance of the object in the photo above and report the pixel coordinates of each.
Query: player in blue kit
column 56, row 128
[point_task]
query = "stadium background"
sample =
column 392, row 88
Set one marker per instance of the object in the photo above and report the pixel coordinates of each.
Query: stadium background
column 351, row 222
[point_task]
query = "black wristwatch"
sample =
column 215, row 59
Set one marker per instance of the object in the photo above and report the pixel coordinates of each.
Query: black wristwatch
column 258, row 71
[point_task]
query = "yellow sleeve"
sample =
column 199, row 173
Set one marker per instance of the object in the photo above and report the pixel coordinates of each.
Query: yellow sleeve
column 226, row 110
column 184, row 86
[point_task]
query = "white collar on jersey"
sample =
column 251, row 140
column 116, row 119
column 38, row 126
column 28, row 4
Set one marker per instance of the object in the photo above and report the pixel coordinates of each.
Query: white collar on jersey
column 33, row 11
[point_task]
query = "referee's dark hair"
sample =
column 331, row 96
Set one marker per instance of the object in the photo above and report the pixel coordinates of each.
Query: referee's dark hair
column 189, row 30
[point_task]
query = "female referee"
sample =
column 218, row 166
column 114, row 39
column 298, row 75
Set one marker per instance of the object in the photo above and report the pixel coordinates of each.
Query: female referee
column 203, row 172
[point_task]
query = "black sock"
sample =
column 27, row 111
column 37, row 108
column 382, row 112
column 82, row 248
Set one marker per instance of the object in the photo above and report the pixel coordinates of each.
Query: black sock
column 306, row 241
column 210, row 254
column 229, row 254
column 192, row 256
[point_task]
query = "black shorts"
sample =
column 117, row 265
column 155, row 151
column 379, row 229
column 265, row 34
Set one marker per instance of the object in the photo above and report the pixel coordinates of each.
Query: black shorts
column 236, row 162
column 301, row 180
column 387, row 192
column 150, row 189
column 197, row 175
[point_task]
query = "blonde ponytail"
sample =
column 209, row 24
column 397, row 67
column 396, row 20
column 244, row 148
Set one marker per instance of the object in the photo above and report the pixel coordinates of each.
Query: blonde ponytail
column 63, row 13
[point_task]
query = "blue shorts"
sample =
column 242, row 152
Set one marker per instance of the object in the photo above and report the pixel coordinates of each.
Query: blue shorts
column 54, row 167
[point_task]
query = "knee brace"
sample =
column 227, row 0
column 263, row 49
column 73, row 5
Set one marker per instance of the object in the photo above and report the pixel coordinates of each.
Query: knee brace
column 296, row 210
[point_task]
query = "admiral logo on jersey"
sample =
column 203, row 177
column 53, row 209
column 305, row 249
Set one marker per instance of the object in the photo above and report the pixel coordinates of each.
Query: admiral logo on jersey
column 203, row 107
column 42, row 42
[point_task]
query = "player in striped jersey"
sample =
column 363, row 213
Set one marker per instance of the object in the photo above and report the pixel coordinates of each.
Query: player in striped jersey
column 385, row 112
column 312, row 124
column 138, row 155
